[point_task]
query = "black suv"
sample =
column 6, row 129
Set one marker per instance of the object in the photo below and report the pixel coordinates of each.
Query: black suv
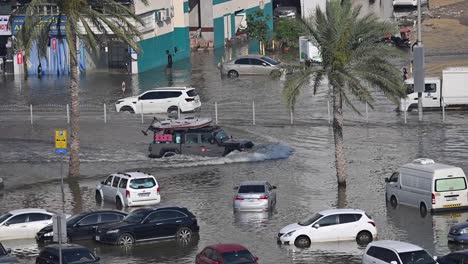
column 71, row 254
column 82, row 226
column 148, row 224
column 209, row 141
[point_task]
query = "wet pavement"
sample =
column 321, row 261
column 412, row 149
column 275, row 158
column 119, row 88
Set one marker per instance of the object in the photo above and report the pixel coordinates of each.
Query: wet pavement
column 299, row 159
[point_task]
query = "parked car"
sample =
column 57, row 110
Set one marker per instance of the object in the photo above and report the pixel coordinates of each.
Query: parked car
column 428, row 185
column 23, row 223
column 161, row 100
column 71, row 254
column 6, row 257
column 129, row 189
column 146, row 224
column 458, row 233
column 395, row 252
column 225, row 254
column 285, row 12
column 192, row 136
column 457, row 257
column 82, row 226
column 250, row 64
column 254, row 196
column 330, row 225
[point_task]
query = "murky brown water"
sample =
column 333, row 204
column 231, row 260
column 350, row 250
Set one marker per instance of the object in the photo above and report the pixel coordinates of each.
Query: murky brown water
column 298, row 159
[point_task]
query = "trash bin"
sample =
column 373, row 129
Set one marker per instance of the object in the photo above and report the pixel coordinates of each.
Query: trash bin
column 9, row 67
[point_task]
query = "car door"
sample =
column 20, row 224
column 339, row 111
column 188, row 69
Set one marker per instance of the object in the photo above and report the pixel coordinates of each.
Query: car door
column 260, row 67
column 377, row 255
column 192, row 145
column 166, row 222
column 106, row 187
column 431, row 95
column 15, row 227
column 242, row 66
column 209, row 147
column 122, row 188
column 347, row 227
column 85, row 228
column 36, row 221
column 147, row 102
column 170, row 99
column 325, row 229
column 114, row 188
column 205, row 257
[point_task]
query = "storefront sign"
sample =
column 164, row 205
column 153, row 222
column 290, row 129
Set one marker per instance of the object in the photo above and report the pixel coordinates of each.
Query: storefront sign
column 46, row 21
column 4, row 27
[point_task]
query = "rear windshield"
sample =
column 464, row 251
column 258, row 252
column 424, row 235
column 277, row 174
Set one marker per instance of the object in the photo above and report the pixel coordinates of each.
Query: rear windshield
column 79, row 256
column 238, row 257
column 142, row 183
column 192, row 93
column 419, row 257
column 252, row 189
column 270, row 60
column 310, row 220
column 450, row 184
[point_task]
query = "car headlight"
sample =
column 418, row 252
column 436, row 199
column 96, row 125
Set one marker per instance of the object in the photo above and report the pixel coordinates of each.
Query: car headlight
column 464, row 231
column 49, row 234
column 112, row 231
column 289, row 233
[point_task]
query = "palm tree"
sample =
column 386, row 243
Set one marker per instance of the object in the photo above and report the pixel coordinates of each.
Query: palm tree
column 353, row 63
column 82, row 16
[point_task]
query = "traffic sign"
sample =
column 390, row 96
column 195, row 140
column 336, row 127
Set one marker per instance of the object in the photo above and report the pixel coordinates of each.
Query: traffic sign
column 60, row 141
column 54, row 44
column 19, row 58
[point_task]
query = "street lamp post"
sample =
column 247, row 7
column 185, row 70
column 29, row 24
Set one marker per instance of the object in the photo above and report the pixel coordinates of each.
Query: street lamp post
column 418, row 57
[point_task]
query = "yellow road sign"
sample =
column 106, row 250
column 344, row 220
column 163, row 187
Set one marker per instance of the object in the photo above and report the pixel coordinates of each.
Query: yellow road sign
column 60, row 139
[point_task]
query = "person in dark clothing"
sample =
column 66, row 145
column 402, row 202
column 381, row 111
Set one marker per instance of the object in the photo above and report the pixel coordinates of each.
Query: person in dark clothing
column 405, row 74
column 169, row 59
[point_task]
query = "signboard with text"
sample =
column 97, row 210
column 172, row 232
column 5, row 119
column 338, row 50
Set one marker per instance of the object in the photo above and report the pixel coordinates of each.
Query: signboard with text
column 4, row 27
column 61, row 141
column 47, row 21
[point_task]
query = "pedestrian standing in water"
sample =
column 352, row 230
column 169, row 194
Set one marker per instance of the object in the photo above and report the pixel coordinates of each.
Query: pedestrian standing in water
column 123, row 88
column 405, row 74
column 169, row 61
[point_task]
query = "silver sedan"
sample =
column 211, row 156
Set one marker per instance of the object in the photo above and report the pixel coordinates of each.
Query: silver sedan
column 250, row 65
column 254, row 196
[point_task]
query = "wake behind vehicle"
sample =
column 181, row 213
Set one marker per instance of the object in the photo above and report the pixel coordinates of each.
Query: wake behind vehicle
column 192, row 136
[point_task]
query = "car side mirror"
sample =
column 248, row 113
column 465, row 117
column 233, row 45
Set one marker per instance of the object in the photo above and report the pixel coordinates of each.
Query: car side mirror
column 256, row 258
column 8, row 250
column 103, row 183
column 236, row 188
column 393, row 262
column 274, row 187
column 387, row 179
column 436, row 258
column 316, row 226
column 264, row 64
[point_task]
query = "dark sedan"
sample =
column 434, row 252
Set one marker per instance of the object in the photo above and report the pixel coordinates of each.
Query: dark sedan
column 148, row 224
column 71, row 254
column 82, row 226
column 457, row 257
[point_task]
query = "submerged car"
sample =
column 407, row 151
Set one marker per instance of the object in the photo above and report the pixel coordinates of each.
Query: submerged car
column 254, row 196
column 192, row 136
column 458, row 233
column 391, row 252
column 457, row 257
column 250, row 65
column 71, row 254
column 226, row 254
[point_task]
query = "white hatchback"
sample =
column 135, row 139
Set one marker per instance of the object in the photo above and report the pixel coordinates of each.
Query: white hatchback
column 395, row 252
column 129, row 189
column 161, row 100
column 330, row 225
column 23, row 223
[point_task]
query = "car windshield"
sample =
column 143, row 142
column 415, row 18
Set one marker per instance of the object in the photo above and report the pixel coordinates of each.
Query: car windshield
column 450, row 184
column 252, row 189
column 142, row 183
column 416, row 257
column 4, row 217
column 238, row 257
column 221, row 136
column 310, row 220
column 74, row 218
column 135, row 217
column 270, row 60
column 79, row 256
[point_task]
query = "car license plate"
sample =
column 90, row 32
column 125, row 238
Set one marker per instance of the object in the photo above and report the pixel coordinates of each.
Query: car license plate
column 97, row 238
column 455, row 215
column 451, row 199
column 143, row 194
column 451, row 205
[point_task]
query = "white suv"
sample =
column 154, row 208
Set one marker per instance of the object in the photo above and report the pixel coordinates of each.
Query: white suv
column 395, row 252
column 161, row 100
column 129, row 189
column 330, row 225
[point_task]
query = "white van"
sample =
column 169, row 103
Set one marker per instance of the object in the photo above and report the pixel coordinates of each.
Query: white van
column 425, row 184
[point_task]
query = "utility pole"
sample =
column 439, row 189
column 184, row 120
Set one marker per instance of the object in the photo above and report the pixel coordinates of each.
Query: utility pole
column 418, row 58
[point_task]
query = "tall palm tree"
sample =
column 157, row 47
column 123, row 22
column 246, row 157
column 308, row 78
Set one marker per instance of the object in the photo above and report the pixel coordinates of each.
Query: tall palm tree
column 82, row 16
column 353, row 63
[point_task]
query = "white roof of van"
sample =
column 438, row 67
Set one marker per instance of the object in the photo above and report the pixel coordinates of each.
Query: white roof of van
column 456, row 69
column 428, row 167
column 428, row 79
column 398, row 246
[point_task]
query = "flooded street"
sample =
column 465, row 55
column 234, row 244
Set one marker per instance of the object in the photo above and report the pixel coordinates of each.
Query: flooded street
column 298, row 159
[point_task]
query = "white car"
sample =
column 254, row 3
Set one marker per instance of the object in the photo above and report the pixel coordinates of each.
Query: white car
column 129, row 189
column 395, row 252
column 161, row 100
column 330, row 225
column 23, row 223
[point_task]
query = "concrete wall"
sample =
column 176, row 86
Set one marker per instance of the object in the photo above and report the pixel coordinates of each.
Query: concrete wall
column 308, row 7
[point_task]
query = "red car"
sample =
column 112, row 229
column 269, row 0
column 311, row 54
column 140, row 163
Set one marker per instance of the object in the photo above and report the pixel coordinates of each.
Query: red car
column 225, row 254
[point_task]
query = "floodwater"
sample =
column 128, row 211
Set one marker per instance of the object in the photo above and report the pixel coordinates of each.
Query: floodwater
column 298, row 159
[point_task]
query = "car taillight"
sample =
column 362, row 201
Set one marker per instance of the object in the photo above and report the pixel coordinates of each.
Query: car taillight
column 158, row 189
column 264, row 197
column 237, row 198
column 372, row 223
column 433, row 198
column 189, row 99
column 127, row 193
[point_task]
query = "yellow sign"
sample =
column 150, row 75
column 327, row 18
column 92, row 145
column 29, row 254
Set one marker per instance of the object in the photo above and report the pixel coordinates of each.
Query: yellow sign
column 60, row 139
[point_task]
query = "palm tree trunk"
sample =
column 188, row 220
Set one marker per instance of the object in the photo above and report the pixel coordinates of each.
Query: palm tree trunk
column 74, row 165
column 338, row 135
column 25, row 69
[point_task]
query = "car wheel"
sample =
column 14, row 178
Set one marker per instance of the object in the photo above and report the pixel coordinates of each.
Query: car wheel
column 364, row 238
column 118, row 203
column 98, row 197
column 127, row 109
column 126, row 240
column 423, row 210
column 173, row 109
column 302, row 242
column 393, row 201
column 184, row 233
column 233, row 73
